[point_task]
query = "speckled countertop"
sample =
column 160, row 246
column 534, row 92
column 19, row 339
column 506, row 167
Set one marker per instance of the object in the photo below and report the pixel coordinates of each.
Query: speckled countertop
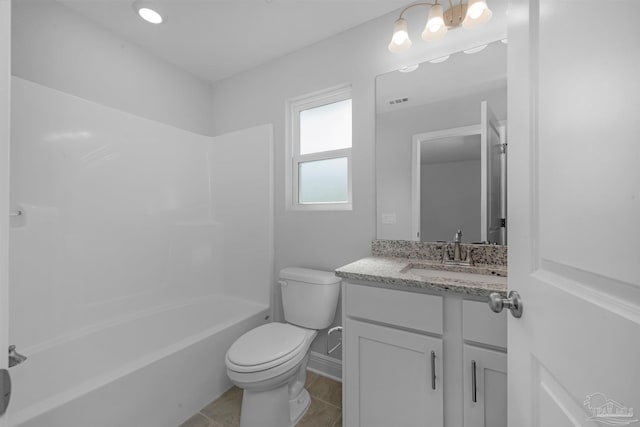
column 396, row 272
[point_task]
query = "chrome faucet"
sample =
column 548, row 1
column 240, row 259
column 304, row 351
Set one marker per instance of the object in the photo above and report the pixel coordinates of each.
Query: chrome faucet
column 457, row 239
column 457, row 252
column 15, row 358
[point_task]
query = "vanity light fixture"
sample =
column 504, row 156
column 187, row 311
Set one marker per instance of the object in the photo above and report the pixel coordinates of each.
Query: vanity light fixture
column 470, row 15
column 148, row 11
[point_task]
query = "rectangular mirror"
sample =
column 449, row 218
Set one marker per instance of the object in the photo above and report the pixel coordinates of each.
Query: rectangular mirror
column 441, row 148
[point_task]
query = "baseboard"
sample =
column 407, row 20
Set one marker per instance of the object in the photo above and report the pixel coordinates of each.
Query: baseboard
column 325, row 365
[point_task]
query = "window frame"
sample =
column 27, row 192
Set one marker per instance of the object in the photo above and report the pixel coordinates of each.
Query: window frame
column 294, row 107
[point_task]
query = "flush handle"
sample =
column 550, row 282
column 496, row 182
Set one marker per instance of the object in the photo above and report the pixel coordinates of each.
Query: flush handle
column 513, row 303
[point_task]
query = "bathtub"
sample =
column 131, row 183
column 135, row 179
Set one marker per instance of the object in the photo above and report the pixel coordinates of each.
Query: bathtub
column 151, row 369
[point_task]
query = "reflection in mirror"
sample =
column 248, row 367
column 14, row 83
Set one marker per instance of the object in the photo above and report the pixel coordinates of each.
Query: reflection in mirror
column 440, row 162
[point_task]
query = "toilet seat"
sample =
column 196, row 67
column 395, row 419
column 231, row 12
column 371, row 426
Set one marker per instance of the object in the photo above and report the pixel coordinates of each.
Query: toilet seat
column 268, row 346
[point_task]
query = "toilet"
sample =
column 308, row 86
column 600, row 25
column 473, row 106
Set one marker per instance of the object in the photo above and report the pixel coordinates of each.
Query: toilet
column 269, row 362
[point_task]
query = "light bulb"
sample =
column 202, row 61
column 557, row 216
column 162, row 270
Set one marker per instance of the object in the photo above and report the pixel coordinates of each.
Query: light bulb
column 400, row 36
column 400, row 40
column 477, row 13
column 435, row 27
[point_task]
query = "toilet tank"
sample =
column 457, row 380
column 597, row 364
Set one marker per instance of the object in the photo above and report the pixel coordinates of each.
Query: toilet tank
column 309, row 297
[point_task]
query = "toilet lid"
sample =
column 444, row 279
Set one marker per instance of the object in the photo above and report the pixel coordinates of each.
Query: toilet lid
column 267, row 343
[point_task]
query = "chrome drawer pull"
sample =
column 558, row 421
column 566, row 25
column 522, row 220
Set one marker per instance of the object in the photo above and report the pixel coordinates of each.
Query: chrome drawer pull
column 474, row 392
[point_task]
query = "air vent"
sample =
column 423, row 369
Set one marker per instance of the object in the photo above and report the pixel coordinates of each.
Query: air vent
column 398, row 101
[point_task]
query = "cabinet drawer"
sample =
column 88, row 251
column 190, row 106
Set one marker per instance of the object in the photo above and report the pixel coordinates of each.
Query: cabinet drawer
column 394, row 307
column 481, row 325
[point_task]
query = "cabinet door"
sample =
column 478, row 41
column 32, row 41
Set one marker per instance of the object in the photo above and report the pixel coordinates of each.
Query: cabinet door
column 389, row 377
column 487, row 406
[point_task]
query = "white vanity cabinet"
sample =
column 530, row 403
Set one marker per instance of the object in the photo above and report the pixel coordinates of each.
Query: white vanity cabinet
column 404, row 366
column 394, row 358
column 485, row 387
column 395, row 377
column 485, row 365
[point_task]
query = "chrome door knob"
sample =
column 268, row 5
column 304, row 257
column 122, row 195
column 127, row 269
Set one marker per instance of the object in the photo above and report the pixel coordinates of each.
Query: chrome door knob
column 513, row 303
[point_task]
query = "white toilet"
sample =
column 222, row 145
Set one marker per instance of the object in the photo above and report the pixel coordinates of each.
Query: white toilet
column 269, row 362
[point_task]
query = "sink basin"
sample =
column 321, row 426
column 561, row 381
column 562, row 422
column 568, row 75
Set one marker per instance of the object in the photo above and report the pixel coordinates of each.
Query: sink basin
column 456, row 275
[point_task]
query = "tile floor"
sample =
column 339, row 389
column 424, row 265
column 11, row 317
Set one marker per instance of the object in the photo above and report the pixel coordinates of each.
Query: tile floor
column 325, row 409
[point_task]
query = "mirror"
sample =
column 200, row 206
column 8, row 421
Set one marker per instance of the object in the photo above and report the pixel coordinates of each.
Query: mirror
column 441, row 149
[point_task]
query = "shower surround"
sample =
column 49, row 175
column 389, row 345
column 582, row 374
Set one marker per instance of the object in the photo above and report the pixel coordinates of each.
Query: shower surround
column 128, row 264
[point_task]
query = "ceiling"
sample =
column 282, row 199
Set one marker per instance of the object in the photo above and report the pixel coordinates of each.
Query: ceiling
column 214, row 39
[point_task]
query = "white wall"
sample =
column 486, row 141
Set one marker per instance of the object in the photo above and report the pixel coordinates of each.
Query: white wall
column 395, row 131
column 450, row 199
column 326, row 240
column 58, row 48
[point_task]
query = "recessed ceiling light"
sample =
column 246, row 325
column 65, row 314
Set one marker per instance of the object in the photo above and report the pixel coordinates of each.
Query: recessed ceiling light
column 148, row 11
column 475, row 49
column 409, row 68
column 439, row 60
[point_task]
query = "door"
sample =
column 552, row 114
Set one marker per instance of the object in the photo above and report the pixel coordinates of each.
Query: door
column 394, row 377
column 491, row 149
column 5, row 82
column 574, row 212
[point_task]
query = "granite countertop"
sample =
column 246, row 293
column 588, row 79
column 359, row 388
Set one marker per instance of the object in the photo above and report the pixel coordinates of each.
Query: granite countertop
column 408, row 273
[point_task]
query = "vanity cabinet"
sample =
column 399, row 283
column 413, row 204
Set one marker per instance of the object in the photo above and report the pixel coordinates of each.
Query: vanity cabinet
column 394, row 377
column 485, row 387
column 485, row 365
column 402, row 367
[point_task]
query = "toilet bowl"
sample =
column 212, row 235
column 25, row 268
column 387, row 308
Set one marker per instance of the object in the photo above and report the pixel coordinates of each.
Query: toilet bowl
column 269, row 362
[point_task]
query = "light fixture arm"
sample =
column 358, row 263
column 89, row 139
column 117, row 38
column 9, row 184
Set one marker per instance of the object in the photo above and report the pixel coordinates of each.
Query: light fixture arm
column 418, row 4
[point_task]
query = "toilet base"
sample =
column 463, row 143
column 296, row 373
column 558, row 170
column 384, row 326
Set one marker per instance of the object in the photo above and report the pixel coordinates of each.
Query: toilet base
column 298, row 407
column 269, row 408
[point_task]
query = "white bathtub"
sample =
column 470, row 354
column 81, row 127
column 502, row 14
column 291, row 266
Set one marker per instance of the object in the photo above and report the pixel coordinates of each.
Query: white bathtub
column 153, row 369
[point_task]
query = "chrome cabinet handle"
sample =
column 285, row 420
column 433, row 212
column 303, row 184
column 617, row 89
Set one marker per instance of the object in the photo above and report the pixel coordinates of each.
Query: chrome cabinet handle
column 474, row 391
column 433, row 370
column 16, row 213
column 513, row 303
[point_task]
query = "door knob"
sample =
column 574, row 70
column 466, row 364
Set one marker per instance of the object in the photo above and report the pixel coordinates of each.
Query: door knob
column 513, row 303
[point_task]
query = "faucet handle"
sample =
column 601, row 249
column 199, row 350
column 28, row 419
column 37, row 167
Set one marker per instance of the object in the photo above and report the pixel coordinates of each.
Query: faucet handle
column 15, row 358
column 458, row 236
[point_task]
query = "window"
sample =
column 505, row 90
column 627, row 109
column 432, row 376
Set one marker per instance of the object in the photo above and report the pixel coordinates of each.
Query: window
column 319, row 151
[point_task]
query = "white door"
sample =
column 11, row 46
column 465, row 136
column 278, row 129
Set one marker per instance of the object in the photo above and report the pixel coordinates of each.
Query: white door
column 490, row 143
column 5, row 86
column 574, row 212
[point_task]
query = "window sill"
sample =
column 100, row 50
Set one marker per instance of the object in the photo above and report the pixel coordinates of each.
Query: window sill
column 321, row 207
